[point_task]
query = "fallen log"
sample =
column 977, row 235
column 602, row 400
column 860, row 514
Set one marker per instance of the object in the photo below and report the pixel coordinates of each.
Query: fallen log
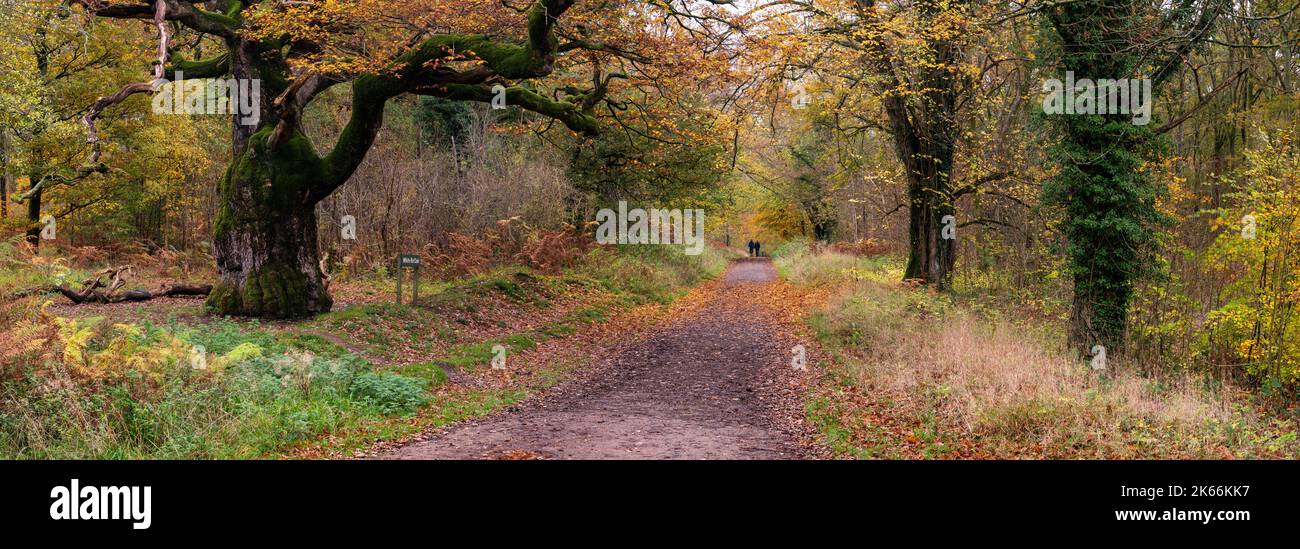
column 94, row 296
column 90, row 290
column 183, row 289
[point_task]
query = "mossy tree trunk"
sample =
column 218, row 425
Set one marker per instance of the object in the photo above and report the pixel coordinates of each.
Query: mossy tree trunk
column 264, row 233
column 264, row 237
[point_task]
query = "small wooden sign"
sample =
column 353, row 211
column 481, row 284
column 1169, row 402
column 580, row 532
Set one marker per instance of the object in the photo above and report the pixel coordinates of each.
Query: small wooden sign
column 412, row 262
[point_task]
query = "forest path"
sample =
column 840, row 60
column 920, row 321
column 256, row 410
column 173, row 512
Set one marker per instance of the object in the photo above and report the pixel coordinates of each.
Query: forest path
column 714, row 385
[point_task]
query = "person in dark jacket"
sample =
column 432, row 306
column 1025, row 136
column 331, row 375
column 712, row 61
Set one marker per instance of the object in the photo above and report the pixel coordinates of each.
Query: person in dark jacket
column 749, row 246
column 758, row 249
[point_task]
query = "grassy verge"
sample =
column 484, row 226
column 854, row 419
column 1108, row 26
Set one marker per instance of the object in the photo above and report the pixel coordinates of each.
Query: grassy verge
column 913, row 374
column 91, row 387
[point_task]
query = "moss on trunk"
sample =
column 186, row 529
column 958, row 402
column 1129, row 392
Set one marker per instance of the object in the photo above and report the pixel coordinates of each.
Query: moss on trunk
column 264, row 236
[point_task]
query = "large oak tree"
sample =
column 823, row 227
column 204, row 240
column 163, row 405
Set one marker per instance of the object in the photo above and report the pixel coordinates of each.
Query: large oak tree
column 264, row 237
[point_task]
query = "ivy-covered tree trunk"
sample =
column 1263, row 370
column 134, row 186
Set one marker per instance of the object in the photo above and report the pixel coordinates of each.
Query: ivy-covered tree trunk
column 1107, row 198
column 1108, row 203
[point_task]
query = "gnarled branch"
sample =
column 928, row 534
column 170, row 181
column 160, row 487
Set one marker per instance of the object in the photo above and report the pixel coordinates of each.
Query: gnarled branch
column 159, row 71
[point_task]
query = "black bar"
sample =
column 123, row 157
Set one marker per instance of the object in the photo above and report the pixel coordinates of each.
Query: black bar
column 364, row 497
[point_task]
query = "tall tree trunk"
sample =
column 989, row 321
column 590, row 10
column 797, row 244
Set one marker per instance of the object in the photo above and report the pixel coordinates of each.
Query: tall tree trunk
column 34, row 212
column 922, row 109
column 264, row 233
column 1106, row 195
column 930, row 257
column 925, row 143
column 264, row 236
column 4, row 174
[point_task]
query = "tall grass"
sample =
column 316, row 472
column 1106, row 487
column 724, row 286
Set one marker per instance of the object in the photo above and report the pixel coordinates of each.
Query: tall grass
column 1005, row 385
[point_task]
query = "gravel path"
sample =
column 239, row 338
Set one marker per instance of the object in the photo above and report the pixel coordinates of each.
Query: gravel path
column 713, row 386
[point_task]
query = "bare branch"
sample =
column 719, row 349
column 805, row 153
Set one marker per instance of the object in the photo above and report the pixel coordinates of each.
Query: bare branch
column 159, row 71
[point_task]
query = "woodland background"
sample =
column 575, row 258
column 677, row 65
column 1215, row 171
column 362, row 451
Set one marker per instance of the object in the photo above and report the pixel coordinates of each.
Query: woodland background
column 781, row 132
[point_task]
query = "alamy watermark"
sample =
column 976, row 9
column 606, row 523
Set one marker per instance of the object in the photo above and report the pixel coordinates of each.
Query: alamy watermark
column 76, row 502
column 199, row 357
column 801, row 98
column 1098, row 361
column 348, row 228
column 498, row 97
column 656, row 226
column 498, row 357
column 237, row 96
column 49, row 228
column 1130, row 96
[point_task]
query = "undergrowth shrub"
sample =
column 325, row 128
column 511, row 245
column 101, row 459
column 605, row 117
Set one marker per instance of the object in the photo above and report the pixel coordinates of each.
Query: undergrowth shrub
column 390, row 393
column 84, row 388
column 510, row 241
column 865, row 246
column 23, row 271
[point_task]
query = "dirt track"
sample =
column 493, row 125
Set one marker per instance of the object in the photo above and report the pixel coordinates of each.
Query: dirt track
column 716, row 385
